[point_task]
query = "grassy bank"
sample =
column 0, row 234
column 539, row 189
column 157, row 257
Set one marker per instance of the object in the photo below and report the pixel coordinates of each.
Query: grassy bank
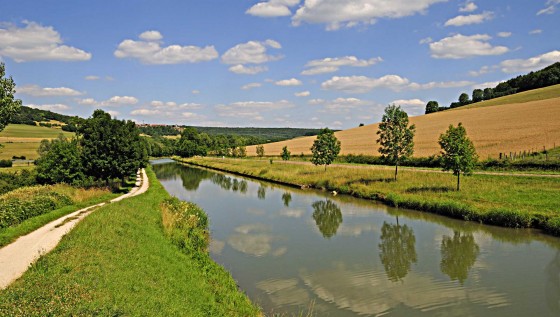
column 118, row 261
column 509, row 201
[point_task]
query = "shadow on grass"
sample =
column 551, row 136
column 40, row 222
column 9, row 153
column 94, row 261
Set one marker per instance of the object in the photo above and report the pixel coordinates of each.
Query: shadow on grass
column 433, row 189
column 367, row 181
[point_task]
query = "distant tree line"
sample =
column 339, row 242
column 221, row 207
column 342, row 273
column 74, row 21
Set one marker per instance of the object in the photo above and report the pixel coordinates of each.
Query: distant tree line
column 543, row 78
column 29, row 116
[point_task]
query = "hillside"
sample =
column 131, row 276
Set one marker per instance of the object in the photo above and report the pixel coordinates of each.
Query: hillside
column 24, row 140
column 503, row 125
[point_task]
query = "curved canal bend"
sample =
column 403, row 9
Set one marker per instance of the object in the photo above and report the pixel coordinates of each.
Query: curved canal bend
column 289, row 249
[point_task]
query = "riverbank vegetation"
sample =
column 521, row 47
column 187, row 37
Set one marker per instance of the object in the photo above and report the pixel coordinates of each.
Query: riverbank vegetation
column 510, row 201
column 118, row 261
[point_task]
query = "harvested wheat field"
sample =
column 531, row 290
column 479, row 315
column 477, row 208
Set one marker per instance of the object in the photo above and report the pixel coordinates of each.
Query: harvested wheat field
column 495, row 129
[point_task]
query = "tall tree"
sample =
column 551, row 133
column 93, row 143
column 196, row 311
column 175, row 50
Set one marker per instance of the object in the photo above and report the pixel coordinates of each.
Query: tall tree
column 8, row 105
column 285, row 153
column 432, row 106
column 260, row 150
column 464, row 99
column 457, row 152
column 60, row 162
column 477, row 95
column 395, row 136
column 325, row 148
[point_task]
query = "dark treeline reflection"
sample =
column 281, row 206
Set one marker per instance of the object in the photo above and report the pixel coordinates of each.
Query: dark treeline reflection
column 458, row 255
column 327, row 216
column 261, row 192
column 397, row 250
column 229, row 183
column 286, row 198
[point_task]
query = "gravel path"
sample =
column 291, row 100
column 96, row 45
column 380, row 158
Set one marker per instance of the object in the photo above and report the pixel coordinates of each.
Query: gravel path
column 16, row 257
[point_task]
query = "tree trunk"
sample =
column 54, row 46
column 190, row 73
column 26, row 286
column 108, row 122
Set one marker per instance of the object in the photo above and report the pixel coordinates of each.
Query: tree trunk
column 396, row 170
column 458, row 180
column 325, row 167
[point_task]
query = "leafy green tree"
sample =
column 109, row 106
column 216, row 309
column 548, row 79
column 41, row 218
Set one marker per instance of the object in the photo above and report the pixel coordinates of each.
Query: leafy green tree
column 488, row 93
column 457, row 152
column 60, row 162
column 464, row 99
column 395, row 136
column 397, row 250
column 260, row 151
column 285, row 153
column 191, row 143
column 327, row 216
column 477, row 95
column 458, row 255
column 325, row 148
column 432, row 106
column 8, row 105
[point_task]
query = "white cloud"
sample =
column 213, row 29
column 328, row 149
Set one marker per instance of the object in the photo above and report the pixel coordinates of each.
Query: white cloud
column 488, row 84
column 247, row 70
column 329, row 65
column 551, row 7
column 272, row 8
column 35, row 42
column 426, row 40
column 251, row 86
column 344, row 105
column 87, row 102
column 504, row 34
column 462, row 46
column 289, row 82
column 362, row 84
column 530, row 64
column 91, row 77
column 349, row 13
column 469, row 19
column 151, row 36
column 252, row 52
column 173, row 106
column 145, row 112
column 113, row 113
column 192, row 116
column 251, row 109
column 409, row 102
column 315, row 102
column 149, row 51
column 50, row 107
column 302, row 94
column 36, row 91
column 535, row 31
column 195, row 92
column 469, row 7
column 113, row 101
column 483, row 70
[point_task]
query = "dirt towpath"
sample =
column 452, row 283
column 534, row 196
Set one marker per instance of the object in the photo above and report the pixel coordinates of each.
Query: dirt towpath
column 16, row 257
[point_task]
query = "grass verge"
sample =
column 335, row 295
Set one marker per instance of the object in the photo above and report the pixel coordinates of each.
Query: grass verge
column 118, row 261
column 509, row 201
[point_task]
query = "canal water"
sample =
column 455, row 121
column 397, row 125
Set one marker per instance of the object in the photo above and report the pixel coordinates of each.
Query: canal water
column 291, row 249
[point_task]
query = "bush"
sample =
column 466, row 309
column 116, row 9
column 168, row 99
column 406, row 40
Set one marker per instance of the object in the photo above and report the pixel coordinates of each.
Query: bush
column 509, row 218
column 6, row 163
column 552, row 226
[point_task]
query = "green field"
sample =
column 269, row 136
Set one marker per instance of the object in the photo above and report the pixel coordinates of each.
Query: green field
column 28, row 131
column 24, row 140
column 510, row 201
column 118, row 262
column 526, row 96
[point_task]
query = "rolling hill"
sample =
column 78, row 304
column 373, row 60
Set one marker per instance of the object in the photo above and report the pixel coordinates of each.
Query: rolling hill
column 520, row 122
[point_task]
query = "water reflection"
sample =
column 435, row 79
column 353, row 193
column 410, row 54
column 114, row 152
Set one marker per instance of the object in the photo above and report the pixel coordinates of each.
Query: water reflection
column 261, row 192
column 397, row 250
column 458, row 255
column 553, row 284
column 327, row 216
column 286, row 198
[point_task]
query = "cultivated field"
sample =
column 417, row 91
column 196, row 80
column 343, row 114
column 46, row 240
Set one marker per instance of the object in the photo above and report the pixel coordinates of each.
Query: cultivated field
column 24, row 140
column 505, row 128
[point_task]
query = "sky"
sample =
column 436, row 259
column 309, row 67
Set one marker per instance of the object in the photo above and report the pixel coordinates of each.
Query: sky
column 275, row 63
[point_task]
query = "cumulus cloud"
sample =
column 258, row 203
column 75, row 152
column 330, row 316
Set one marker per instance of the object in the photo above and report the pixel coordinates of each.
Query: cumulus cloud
column 251, row 109
column 252, row 52
column 483, row 70
column 36, row 91
column 302, row 94
column 247, row 70
column 149, row 51
column 409, row 102
column 468, row 7
column 35, row 42
column 91, row 77
column 530, row 64
column 504, row 34
column 50, row 107
column 426, row 40
column 251, row 86
column 488, row 84
column 344, row 105
column 550, row 7
column 330, row 65
column 289, row 82
column 113, row 101
column 469, row 19
column 349, row 13
column 362, row 84
column 535, row 31
column 145, row 112
column 272, row 8
column 462, row 46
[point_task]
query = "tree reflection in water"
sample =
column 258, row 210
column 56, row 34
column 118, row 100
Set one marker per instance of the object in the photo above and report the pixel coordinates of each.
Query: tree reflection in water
column 327, row 216
column 286, row 198
column 397, row 250
column 261, row 192
column 458, row 255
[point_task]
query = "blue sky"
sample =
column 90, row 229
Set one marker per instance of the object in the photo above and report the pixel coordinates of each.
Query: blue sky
column 276, row 63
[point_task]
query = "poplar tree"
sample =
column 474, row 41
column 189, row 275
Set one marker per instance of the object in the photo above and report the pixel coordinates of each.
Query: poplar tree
column 457, row 152
column 325, row 148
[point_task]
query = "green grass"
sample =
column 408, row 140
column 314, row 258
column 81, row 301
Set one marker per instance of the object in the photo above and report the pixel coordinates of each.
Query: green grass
column 495, row 199
column 118, row 261
column 28, row 131
column 526, row 96
column 27, row 149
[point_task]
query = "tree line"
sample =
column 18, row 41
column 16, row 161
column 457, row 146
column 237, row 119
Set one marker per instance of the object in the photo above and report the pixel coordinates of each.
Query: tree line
column 545, row 77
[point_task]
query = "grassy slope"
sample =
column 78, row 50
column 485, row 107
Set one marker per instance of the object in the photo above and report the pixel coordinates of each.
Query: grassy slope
column 522, row 122
column 21, row 139
column 118, row 262
column 28, row 131
column 487, row 198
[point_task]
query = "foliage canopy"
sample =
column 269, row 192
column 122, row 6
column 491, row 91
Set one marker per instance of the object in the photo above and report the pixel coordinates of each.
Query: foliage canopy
column 325, row 148
column 457, row 152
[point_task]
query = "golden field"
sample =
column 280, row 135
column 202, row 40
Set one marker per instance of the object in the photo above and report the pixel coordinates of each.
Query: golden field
column 505, row 128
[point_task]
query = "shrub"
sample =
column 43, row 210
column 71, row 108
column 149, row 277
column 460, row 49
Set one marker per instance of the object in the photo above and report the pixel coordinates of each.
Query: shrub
column 552, row 226
column 509, row 218
column 5, row 163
